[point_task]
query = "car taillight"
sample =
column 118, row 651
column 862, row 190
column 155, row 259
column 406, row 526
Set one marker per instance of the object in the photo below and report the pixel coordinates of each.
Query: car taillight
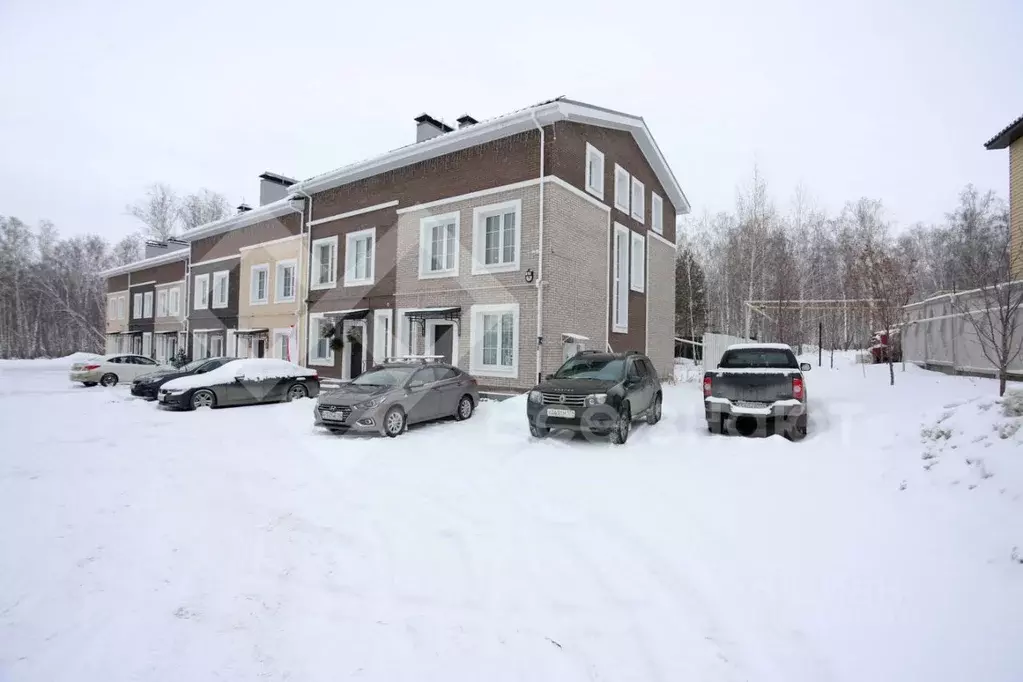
column 707, row 385
column 91, row 367
column 797, row 388
column 316, row 376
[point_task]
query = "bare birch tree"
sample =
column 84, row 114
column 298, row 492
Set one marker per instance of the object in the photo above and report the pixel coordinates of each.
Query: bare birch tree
column 202, row 207
column 159, row 211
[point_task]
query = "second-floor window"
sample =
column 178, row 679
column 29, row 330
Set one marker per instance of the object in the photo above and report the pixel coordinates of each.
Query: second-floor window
column 324, row 265
column 260, row 283
column 638, row 200
column 620, row 301
column 637, row 276
column 656, row 213
column 174, row 301
column 202, row 292
column 221, row 285
column 136, row 306
column 147, row 304
column 121, row 305
column 112, row 308
column 621, row 189
column 438, row 240
column 161, row 303
column 594, row 171
column 285, row 292
column 359, row 249
column 496, row 237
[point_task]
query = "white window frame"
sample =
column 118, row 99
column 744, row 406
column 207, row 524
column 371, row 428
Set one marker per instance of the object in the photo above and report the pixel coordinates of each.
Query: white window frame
column 136, row 306
column 476, row 331
column 594, row 185
column 622, row 181
column 279, row 269
column 383, row 334
column 147, row 304
column 637, row 263
column 225, row 277
column 111, row 308
column 147, row 344
column 620, row 306
column 479, row 242
column 426, row 226
column 161, row 303
column 638, row 199
column 174, row 296
column 656, row 213
column 253, row 271
column 122, row 306
column 203, row 302
column 314, row 336
column 350, row 240
column 314, row 271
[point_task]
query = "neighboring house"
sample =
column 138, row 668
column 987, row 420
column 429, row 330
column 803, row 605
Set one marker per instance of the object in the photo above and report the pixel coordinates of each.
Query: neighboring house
column 1012, row 137
column 241, row 304
column 439, row 247
column 145, row 303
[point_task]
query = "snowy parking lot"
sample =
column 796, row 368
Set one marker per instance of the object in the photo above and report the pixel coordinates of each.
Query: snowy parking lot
column 141, row 544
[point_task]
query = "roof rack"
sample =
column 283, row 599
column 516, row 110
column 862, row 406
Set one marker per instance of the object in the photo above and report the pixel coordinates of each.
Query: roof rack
column 414, row 358
column 632, row 352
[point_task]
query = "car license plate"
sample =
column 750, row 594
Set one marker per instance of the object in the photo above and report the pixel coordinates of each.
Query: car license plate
column 750, row 403
column 333, row 416
column 560, row 412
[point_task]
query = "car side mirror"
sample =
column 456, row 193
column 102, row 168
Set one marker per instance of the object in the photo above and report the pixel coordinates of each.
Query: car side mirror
column 416, row 384
column 805, row 367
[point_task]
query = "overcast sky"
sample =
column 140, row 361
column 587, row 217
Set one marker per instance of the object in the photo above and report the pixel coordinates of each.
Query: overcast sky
column 886, row 99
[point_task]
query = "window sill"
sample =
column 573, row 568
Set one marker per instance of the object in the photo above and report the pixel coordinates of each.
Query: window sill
column 285, row 300
column 439, row 274
column 263, row 302
column 219, row 307
column 623, row 209
column 358, row 282
column 637, row 289
column 326, row 285
column 619, row 329
column 494, row 371
column 637, row 218
column 599, row 193
column 478, row 269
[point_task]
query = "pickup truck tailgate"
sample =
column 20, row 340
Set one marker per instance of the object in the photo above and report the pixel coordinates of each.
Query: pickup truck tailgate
column 758, row 387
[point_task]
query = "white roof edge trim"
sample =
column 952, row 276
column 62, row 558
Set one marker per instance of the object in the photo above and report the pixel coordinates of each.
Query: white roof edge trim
column 162, row 259
column 288, row 204
column 503, row 126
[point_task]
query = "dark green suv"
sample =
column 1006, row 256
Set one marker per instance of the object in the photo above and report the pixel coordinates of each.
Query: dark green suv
column 597, row 393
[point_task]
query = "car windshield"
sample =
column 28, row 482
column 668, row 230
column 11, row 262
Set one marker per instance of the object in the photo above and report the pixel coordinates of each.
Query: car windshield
column 194, row 365
column 384, row 376
column 758, row 357
column 606, row 369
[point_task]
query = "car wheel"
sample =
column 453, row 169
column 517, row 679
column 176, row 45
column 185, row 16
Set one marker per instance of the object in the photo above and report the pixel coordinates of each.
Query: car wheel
column 798, row 432
column 620, row 431
column 203, row 398
column 88, row 384
column 394, row 422
column 539, row 431
column 465, row 408
column 108, row 380
column 655, row 412
column 296, row 391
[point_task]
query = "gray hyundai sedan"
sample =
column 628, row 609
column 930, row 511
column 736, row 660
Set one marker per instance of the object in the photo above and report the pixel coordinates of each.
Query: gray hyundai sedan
column 389, row 397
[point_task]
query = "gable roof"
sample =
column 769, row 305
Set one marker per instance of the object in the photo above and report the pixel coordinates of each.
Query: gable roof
column 1007, row 135
column 244, row 219
column 162, row 259
column 544, row 113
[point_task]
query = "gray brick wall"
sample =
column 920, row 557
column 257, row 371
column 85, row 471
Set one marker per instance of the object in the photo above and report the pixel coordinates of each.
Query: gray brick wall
column 575, row 270
column 467, row 289
column 660, row 293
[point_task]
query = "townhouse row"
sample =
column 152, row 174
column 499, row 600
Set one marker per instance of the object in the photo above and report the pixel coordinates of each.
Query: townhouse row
column 503, row 246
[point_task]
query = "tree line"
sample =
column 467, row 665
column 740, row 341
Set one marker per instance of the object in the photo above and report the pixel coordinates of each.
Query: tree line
column 52, row 299
column 848, row 275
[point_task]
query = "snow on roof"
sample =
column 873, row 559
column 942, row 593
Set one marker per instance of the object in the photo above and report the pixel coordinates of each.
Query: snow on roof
column 759, row 346
column 162, row 259
column 240, row 220
column 543, row 113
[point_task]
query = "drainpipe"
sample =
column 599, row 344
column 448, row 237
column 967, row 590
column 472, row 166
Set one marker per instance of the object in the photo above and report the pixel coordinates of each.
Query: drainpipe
column 299, row 300
column 539, row 262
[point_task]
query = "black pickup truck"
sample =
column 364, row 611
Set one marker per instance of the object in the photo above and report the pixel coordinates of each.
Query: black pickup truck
column 757, row 387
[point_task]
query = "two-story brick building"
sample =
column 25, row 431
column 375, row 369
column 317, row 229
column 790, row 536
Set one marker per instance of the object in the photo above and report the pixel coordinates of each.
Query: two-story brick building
column 502, row 245
column 1011, row 137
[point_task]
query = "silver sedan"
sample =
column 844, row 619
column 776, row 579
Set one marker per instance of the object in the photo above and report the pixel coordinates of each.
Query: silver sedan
column 389, row 397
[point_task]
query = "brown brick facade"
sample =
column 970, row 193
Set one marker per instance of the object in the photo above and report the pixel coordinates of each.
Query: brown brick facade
column 1016, row 205
column 228, row 243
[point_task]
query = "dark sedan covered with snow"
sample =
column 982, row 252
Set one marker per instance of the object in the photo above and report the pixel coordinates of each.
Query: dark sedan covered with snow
column 241, row 382
column 148, row 385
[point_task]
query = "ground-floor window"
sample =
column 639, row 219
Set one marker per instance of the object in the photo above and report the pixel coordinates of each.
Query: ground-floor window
column 494, row 336
column 320, row 352
column 282, row 345
column 207, row 345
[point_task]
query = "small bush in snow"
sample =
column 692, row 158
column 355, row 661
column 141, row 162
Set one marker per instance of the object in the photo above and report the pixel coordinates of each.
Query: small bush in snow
column 1007, row 429
column 935, row 433
column 1012, row 404
column 1016, row 556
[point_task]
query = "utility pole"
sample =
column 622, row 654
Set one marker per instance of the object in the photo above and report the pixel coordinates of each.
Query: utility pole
column 820, row 342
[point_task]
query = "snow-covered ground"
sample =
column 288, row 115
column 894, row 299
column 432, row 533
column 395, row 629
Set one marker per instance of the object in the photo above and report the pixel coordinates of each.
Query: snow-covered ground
column 139, row 544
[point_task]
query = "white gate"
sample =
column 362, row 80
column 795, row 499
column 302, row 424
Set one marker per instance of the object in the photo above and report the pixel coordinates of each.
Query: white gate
column 714, row 346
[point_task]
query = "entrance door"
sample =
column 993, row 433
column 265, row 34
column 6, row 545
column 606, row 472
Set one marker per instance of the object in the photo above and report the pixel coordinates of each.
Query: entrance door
column 260, row 348
column 444, row 340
